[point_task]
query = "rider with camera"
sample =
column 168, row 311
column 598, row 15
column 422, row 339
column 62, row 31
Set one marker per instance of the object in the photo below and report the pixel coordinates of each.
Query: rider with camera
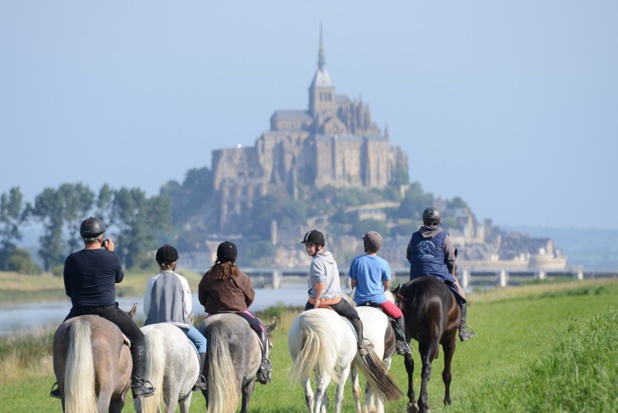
column 90, row 276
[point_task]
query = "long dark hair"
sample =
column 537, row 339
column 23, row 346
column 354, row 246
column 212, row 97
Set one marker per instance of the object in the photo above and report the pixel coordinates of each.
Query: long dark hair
column 223, row 270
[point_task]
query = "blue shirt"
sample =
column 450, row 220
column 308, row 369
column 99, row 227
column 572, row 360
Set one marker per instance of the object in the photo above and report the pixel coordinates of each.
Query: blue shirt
column 369, row 272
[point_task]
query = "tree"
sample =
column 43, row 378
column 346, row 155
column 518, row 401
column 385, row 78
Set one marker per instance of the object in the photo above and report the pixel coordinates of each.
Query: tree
column 48, row 209
column 415, row 202
column 13, row 213
column 77, row 200
column 138, row 220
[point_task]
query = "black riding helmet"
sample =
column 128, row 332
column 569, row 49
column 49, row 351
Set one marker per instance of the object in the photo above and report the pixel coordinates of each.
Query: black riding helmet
column 166, row 255
column 431, row 216
column 91, row 228
column 313, row 237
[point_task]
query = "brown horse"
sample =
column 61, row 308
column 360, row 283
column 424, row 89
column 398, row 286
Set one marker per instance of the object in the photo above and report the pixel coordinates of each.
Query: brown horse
column 432, row 318
column 92, row 363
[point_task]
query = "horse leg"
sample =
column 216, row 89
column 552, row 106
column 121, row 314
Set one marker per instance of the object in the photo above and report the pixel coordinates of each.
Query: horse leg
column 184, row 404
column 309, row 397
column 428, row 354
column 449, row 351
column 321, row 397
column 247, row 391
column 409, row 363
column 356, row 390
column 340, row 388
column 116, row 405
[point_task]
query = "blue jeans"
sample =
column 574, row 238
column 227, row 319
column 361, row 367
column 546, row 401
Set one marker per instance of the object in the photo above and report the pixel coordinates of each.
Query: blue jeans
column 196, row 338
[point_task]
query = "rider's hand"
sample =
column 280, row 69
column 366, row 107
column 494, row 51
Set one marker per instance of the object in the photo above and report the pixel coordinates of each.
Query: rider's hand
column 108, row 244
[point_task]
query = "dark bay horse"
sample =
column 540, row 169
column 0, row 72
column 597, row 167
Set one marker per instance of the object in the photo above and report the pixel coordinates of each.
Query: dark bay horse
column 233, row 358
column 432, row 318
column 92, row 363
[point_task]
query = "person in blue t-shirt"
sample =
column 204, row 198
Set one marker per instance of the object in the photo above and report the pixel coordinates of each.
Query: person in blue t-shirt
column 431, row 253
column 370, row 276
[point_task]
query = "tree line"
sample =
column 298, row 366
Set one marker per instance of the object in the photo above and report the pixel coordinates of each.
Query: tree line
column 132, row 219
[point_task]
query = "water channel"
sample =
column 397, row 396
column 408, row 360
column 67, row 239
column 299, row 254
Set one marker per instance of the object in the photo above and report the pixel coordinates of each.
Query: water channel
column 24, row 318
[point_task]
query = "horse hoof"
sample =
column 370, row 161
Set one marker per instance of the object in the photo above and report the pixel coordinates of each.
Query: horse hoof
column 412, row 408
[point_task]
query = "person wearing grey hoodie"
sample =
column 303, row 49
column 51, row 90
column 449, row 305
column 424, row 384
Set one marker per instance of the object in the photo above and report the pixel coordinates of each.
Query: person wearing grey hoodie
column 325, row 287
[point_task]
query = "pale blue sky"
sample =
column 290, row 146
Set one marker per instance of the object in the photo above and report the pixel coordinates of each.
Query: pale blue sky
column 511, row 105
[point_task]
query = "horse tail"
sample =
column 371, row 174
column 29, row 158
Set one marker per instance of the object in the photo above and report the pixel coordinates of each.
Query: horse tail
column 319, row 349
column 377, row 376
column 223, row 386
column 79, row 381
column 155, row 369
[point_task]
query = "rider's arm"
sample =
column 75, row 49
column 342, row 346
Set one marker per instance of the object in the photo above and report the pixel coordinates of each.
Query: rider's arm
column 449, row 254
column 386, row 284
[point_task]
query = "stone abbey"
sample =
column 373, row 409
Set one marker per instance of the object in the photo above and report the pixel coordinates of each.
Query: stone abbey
column 333, row 142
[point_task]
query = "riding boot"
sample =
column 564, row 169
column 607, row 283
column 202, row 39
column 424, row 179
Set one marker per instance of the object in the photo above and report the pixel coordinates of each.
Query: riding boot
column 264, row 373
column 399, row 327
column 139, row 385
column 463, row 334
column 360, row 343
column 201, row 380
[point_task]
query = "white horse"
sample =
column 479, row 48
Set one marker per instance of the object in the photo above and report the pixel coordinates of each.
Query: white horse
column 323, row 342
column 377, row 329
column 172, row 367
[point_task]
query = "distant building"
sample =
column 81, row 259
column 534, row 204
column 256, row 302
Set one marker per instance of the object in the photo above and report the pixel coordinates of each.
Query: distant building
column 333, row 142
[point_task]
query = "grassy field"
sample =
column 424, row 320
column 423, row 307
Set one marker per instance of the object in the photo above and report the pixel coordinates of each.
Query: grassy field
column 547, row 347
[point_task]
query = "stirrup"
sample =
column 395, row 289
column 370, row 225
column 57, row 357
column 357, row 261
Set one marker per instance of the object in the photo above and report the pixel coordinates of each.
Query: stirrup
column 464, row 334
column 142, row 388
column 403, row 348
column 264, row 374
column 55, row 391
column 364, row 346
column 200, row 384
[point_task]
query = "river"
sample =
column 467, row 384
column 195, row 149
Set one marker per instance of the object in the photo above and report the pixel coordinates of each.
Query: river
column 24, row 318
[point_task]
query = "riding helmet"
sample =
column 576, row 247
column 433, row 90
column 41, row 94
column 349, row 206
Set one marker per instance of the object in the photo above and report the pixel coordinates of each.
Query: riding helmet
column 166, row 255
column 431, row 216
column 313, row 237
column 91, row 228
column 226, row 252
column 373, row 241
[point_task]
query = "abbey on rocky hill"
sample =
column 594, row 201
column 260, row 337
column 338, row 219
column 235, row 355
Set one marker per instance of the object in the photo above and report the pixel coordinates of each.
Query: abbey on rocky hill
column 334, row 142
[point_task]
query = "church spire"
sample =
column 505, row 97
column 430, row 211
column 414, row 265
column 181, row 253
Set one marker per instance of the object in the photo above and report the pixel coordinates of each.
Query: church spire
column 321, row 59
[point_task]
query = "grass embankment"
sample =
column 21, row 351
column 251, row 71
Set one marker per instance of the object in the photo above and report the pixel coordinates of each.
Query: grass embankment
column 19, row 288
column 547, row 347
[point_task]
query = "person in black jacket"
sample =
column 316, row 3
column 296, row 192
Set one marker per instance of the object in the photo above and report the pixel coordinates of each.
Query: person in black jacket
column 90, row 276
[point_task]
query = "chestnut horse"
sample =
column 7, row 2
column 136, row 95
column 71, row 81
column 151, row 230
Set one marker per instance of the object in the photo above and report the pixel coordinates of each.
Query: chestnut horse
column 92, row 363
column 432, row 318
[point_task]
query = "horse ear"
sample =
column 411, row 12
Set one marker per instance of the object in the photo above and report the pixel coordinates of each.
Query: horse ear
column 271, row 327
column 133, row 310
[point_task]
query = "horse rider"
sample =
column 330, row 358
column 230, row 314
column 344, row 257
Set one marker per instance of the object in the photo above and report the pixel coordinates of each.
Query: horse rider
column 168, row 300
column 431, row 253
column 226, row 289
column 90, row 276
column 325, row 291
column 370, row 277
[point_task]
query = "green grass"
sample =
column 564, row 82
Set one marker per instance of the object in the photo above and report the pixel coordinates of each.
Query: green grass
column 538, row 348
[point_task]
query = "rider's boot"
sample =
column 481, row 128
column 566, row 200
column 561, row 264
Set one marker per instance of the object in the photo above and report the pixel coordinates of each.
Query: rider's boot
column 264, row 372
column 399, row 327
column 55, row 391
column 463, row 334
column 201, row 380
column 140, row 387
column 360, row 342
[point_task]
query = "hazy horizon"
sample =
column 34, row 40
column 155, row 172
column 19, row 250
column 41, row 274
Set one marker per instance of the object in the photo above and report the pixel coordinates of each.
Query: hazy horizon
column 509, row 105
